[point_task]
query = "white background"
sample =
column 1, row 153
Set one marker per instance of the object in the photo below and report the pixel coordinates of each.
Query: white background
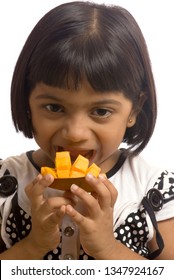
column 156, row 20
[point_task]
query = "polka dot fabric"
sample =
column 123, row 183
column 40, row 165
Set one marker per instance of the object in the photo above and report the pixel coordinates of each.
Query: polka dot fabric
column 14, row 235
column 133, row 233
column 11, row 227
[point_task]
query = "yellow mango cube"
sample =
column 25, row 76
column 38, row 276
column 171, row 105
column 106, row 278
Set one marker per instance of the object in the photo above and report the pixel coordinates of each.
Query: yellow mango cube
column 48, row 170
column 64, row 169
column 76, row 174
column 80, row 165
column 63, row 164
column 94, row 170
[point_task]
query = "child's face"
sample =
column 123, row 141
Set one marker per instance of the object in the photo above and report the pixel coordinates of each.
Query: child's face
column 82, row 122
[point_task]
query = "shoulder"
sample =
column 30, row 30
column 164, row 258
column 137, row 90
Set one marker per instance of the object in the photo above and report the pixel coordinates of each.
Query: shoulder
column 19, row 168
column 137, row 176
column 19, row 171
column 147, row 172
column 158, row 181
column 13, row 164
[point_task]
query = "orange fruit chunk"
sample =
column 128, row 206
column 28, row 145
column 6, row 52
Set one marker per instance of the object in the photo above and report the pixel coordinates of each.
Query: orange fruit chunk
column 65, row 169
column 79, row 167
column 66, row 173
column 94, row 170
column 63, row 164
column 48, row 170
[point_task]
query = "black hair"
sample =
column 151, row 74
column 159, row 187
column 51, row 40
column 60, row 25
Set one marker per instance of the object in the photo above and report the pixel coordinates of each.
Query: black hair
column 83, row 40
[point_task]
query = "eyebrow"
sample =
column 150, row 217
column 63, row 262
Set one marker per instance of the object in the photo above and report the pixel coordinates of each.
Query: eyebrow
column 108, row 101
column 47, row 96
column 99, row 102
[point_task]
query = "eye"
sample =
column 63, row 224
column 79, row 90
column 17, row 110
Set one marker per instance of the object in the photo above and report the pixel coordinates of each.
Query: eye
column 55, row 108
column 102, row 113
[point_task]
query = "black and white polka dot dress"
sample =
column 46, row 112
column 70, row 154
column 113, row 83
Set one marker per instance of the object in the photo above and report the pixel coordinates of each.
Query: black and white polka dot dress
column 133, row 224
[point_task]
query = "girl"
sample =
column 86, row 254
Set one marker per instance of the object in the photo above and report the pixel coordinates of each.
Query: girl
column 83, row 83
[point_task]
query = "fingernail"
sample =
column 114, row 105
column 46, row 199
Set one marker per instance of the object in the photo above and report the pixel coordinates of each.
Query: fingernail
column 48, row 177
column 102, row 176
column 89, row 176
column 74, row 187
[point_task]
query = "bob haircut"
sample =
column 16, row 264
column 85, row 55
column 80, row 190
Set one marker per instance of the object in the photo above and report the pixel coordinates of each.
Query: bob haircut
column 99, row 43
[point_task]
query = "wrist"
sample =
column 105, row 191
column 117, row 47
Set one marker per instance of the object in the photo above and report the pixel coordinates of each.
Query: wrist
column 107, row 252
column 115, row 250
column 23, row 250
column 35, row 250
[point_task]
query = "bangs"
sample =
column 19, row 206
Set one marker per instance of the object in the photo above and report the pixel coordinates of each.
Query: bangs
column 67, row 64
column 94, row 45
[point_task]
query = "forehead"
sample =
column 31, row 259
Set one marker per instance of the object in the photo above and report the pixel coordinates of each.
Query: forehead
column 84, row 96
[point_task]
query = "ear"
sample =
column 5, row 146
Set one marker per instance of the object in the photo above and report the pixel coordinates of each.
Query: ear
column 132, row 119
column 135, row 111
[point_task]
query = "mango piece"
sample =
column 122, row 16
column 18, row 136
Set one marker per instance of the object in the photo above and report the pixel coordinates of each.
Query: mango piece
column 76, row 174
column 94, row 170
column 48, row 170
column 64, row 169
column 79, row 166
column 63, row 164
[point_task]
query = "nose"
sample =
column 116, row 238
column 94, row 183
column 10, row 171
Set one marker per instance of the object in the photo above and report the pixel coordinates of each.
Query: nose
column 75, row 130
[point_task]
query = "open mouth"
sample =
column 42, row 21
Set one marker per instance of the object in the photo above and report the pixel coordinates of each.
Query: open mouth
column 89, row 154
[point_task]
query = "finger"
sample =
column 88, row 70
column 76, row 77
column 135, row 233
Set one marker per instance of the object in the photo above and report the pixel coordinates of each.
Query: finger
column 58, row 215
column 89, row 201
column 104, row 188
column 54, row 204
column 71, row 196
column 35, row 190
column 75, row 215
column 112, row 189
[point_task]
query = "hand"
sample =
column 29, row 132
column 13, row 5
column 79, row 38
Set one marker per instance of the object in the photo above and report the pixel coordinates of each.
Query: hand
column 96, row 226
column 47, row 214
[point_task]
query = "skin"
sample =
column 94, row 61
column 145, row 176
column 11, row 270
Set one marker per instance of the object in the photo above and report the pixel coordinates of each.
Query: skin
column 82, row 122
column 79, row 122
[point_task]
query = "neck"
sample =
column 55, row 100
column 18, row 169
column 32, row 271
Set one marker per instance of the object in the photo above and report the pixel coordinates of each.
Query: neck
column 41, row 159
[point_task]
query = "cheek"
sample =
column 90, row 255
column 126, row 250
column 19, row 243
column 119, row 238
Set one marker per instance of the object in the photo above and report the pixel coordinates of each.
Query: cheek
column 42, row 131
column 41, row 125
column 113, row 138
column 110, row 140
column 114, row 132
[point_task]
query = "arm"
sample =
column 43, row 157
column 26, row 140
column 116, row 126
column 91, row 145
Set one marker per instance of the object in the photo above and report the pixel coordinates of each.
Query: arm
column 166, row 229
column 96, row 226
column 47, row 214
column 23, row 250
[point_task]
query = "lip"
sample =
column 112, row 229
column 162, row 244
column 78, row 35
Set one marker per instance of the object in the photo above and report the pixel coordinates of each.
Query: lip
column 74, row 152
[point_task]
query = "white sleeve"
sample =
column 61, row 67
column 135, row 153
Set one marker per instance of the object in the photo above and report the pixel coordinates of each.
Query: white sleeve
column 165, row 184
